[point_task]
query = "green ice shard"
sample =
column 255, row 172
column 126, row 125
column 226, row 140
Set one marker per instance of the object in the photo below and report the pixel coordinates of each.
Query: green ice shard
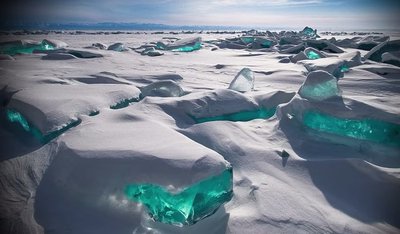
column 247, row 40
column 16, row 117
column 344, row 68
column 312, row 55
column 21, row 48
column 188, row 48
column 240, row 116
column 123, row 103
column 187, row 206
column 362, row 129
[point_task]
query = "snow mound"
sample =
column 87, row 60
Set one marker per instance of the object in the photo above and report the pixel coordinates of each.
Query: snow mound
column 50, row 107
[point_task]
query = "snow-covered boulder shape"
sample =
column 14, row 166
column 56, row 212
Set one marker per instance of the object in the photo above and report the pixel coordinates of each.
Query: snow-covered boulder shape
column 312, row 53
column 388, row 46
column 319, row 86
column 56, row 44
column 100, row 46
column 309, row 32
column 243, row 81
column 262, row 42
column 298, row 57
column 78, row 53
column 287, row 49
column 23, row 47
column 290, row 40
column 117, row 47
column 151, row 51
column 59, row 56
column 332, row 65
column 51, row 107
column 182, row 45
column 139, row 161
column 391, row 58
column 324, row 45
column 162, row 88
column 352, row 59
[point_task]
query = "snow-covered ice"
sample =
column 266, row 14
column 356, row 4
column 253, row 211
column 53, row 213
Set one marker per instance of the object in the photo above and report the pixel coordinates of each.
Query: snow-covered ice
column 252, row 132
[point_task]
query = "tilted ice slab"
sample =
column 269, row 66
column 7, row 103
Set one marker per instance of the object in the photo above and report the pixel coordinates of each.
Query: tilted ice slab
column 182, row 45
column 324, row 45
column 388, row 46
column 243, row 81
column 118, row 157
column 162, row 88
column 50, row 107
column 312, row 53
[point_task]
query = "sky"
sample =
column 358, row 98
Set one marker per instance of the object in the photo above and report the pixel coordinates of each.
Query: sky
column 338, row 14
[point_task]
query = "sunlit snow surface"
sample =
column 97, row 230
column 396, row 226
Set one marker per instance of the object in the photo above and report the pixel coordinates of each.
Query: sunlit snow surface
column 200, row 132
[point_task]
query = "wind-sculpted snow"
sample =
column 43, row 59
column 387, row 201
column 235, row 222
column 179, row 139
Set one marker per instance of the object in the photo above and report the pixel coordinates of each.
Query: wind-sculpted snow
column 48, row 107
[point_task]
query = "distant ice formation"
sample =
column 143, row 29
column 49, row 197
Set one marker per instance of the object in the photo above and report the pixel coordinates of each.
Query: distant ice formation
column 182, row 45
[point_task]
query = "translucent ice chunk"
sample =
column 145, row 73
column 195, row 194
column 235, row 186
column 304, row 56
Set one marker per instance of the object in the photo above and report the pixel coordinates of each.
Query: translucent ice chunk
column 117, row 47
column 247, row 40
column 243, row 81
column 23, row 47
column 319, row 85
column 363, row 129
column 187, row 206
column 15, row 117
column 240, row 116
column 312, row 53
column 164, row 88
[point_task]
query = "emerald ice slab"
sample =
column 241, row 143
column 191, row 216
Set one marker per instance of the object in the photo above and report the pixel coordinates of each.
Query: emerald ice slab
column 15, row 117
column 21, row 47
column 187, row 206
column 362, row 129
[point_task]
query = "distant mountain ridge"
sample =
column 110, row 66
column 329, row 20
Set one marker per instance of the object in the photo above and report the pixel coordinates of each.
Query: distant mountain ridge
column 108, row 26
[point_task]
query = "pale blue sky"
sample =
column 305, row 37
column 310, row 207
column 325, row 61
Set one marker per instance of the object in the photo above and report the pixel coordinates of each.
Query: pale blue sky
column 257, row 13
